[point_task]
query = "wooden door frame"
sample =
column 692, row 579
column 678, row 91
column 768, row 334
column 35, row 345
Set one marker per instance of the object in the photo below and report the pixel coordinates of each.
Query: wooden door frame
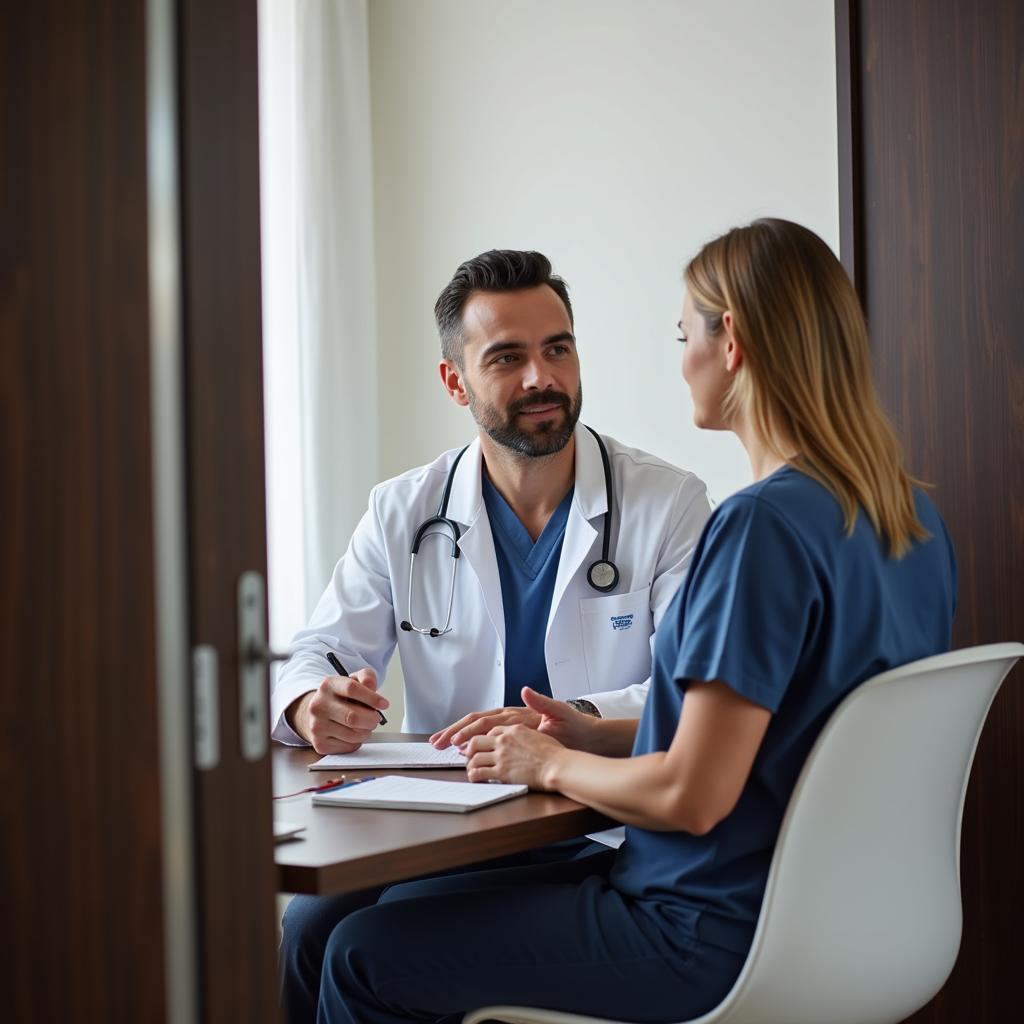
column 169, row 527
column 218, row 121
column 206, row 390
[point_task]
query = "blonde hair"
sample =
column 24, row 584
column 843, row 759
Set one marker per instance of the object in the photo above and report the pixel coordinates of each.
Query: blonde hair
column 805, row 378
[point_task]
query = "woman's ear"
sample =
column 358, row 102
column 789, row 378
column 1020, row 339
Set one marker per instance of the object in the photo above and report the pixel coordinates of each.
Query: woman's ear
column 733, row 345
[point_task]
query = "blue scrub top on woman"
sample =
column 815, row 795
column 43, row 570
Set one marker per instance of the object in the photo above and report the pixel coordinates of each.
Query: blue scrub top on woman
column 792, row 614
column 789, row 612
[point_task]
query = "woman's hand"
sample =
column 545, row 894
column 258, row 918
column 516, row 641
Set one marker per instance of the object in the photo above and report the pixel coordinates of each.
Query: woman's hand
column 513, row 753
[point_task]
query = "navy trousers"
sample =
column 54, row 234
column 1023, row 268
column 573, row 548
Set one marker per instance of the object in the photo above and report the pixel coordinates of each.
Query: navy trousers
column 556, row 936
column 309, row 921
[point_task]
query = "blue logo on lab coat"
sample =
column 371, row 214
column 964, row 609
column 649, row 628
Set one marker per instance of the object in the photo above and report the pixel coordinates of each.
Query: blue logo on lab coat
column 622, row 621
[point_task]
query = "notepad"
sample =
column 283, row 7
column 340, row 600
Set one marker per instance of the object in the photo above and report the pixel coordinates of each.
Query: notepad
column 404, row 794
column 392, row 755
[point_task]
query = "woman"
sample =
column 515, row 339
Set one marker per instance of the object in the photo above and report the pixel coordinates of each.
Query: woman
column 828, row 569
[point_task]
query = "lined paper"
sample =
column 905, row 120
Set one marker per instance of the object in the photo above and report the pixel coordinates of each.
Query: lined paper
column 392, row 755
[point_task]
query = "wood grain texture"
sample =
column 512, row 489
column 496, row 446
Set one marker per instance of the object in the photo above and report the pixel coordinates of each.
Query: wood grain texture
column 346, row 849
column 226, row 517
column 942, row 215
column 80, row 868
column 848, row 137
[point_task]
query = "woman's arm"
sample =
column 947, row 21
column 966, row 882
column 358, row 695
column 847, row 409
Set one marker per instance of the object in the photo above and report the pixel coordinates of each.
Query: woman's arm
column 690, row 787
column 612, row 737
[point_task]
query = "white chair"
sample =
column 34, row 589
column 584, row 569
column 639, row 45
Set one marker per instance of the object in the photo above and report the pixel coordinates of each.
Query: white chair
column 861, row 917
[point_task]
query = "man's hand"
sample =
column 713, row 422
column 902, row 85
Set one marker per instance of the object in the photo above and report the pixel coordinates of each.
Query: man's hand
column 552, row 717
column 480, row 722
column 513, row 753
column 338, row 716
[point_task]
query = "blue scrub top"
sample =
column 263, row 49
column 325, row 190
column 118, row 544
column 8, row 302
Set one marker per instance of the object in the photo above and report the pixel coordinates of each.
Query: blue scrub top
column 792, row 614
column 527, row 571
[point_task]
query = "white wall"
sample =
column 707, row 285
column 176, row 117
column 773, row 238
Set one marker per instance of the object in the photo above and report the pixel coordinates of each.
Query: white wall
column 616, row 136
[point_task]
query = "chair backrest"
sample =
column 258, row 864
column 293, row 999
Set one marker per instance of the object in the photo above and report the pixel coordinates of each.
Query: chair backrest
column 861, row 918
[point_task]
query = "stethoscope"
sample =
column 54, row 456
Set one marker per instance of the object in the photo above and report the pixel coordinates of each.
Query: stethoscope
column 602, row 575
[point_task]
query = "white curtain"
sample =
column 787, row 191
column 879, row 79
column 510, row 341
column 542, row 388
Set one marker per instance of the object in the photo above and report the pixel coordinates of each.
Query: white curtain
column 319, row 300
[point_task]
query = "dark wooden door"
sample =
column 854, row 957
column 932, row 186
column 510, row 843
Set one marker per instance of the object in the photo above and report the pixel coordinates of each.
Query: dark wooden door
column 80, row 798
column 225, row 486
column 932, row 193
column 112, row 908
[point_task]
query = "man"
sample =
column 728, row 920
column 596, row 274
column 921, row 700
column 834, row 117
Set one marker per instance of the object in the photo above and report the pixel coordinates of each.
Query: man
column 570, row 547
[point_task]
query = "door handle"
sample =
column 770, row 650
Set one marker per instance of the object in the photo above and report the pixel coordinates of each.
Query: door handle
column 263, row 655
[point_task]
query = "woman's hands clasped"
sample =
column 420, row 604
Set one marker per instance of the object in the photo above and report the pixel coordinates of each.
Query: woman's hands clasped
column 525, row 749
column 513, row 753
column 528, row 744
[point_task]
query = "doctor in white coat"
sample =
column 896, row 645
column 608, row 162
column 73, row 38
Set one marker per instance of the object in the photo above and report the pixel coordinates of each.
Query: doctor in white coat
column 548, row 557
column 511, row 358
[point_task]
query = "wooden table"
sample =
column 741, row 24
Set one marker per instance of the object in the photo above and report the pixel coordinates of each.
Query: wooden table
column 345, row 849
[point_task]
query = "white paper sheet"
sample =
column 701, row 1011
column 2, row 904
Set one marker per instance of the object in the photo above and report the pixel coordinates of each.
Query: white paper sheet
column 392, row 755
column 402, row 793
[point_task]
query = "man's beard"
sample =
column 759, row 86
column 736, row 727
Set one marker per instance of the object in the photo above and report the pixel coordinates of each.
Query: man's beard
column 547, row 438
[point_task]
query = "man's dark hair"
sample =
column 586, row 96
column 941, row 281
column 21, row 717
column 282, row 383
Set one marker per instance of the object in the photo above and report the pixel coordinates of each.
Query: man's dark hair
column 500, row 270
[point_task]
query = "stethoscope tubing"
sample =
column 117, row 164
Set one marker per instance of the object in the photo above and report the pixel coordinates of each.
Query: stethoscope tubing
column 605, row 569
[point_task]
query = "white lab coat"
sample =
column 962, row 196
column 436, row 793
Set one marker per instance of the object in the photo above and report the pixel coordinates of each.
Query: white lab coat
column 596, row 645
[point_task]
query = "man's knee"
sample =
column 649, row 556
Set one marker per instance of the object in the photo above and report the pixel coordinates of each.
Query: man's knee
column 308, row 922
column 356, row 945
column 300, row 927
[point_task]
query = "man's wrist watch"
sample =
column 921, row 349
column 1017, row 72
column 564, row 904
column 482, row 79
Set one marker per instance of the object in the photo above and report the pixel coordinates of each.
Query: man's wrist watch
column 584, row 707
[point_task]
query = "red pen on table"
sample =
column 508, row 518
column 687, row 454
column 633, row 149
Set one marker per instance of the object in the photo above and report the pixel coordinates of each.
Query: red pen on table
column 339, row 783
column 342, row 671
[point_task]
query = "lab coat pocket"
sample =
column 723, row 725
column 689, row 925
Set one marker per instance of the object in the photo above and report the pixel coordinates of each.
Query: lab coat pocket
column 617, row 639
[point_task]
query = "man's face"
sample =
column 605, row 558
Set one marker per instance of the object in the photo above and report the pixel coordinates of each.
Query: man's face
column 520, row 374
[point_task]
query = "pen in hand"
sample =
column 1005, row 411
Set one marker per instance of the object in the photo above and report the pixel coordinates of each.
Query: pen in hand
column 342, row 671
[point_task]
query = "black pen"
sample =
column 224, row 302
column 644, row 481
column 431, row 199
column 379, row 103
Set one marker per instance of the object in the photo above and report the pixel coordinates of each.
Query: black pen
column 342, row 671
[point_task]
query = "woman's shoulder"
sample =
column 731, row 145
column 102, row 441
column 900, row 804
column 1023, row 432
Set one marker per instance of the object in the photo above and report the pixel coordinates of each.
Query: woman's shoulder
column 792, row 500
column 787, row 496
column 776, row 514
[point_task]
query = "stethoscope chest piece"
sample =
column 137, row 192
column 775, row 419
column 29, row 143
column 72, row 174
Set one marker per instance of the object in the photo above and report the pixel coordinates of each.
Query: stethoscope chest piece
column 603, row 576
